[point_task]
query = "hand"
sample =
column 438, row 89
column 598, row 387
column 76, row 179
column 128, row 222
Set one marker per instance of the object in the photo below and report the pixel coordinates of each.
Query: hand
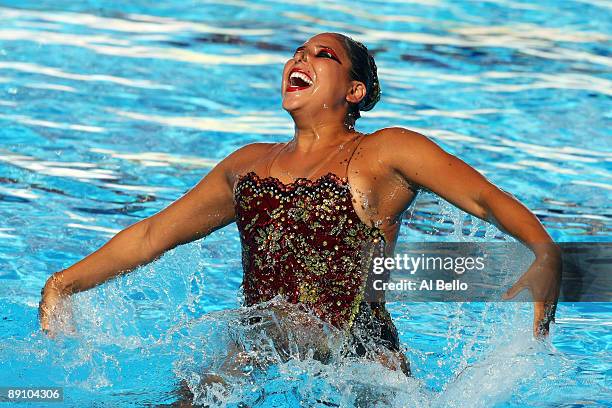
column 50, row 306
column 543, row 279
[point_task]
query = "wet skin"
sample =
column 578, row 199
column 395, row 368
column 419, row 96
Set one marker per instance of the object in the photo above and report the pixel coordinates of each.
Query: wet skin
column 385, row 173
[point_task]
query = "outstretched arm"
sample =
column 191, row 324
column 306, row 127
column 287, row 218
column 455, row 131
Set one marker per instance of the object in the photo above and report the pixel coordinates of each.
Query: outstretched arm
column 206, row 207
column 423, row 163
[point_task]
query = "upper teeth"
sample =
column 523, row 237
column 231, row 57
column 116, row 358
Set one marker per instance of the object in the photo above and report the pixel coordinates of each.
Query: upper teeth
column 304, row 77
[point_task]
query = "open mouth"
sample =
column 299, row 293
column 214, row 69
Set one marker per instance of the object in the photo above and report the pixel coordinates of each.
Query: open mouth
column 298, row 80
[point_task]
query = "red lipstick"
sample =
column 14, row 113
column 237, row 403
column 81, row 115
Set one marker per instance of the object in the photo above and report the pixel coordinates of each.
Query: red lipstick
column 292, row 88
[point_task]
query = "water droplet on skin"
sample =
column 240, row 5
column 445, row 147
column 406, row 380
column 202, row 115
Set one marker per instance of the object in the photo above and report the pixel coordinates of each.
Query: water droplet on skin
column 324, row 106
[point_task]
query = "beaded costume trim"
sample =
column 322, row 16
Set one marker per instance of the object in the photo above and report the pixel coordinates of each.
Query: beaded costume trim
column 304, row 241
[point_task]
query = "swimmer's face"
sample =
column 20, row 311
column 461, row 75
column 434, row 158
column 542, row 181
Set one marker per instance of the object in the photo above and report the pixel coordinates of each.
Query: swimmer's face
column 318, row 76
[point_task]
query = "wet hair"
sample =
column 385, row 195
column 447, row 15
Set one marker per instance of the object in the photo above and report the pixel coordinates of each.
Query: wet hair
column 363, row 69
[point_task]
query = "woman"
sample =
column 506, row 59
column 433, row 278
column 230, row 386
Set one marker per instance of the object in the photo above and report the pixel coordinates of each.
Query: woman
column 310, row 210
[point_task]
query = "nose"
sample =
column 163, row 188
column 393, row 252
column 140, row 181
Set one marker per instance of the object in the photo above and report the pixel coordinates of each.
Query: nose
column 301, row 56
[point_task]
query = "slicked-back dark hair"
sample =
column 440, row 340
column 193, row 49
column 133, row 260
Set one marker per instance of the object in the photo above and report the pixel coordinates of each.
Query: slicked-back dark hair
column 363, row 69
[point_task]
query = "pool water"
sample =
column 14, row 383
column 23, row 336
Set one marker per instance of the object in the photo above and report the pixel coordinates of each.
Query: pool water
column 111, row 110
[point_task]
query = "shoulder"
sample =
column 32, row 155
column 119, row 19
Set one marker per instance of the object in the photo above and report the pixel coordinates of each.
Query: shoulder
column 394, row 141
column 249, row 152
column 245, row 157
column 398, row 135
column 252, row 149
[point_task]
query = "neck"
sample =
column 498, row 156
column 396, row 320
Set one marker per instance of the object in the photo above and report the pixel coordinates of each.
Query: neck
column 314, row 133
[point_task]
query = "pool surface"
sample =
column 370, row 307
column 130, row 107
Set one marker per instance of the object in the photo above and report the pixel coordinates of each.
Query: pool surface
column 111, row 110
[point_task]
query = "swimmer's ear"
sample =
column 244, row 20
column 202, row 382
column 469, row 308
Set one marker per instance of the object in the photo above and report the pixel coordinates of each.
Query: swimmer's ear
column 515, row 289
column 356, row 92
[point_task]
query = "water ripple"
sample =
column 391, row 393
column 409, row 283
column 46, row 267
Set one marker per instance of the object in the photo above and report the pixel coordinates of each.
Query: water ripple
column 120, row 48
column 136, row 23
column 49, row 124
column 262, row 124
column 158, row 159
column 112, row 110
column 58, row 169
column 57, row 73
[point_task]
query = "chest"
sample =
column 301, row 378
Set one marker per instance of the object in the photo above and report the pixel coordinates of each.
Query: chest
column 324, row 205
column 305, row 242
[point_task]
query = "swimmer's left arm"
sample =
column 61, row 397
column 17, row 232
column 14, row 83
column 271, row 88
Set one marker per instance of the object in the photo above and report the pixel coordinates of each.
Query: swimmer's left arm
column 423, row 163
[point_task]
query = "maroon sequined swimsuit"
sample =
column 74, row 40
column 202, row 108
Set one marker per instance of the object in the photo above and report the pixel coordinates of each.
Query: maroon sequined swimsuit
column 305, row 242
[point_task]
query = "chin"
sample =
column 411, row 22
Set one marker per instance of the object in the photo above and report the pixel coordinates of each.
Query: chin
column 292, row 104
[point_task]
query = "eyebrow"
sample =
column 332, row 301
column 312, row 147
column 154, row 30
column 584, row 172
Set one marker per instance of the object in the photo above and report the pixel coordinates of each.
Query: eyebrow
column 301, row 47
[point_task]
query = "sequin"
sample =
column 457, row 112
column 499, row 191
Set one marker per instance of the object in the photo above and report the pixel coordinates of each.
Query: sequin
column 304, row 241
column 322, row 257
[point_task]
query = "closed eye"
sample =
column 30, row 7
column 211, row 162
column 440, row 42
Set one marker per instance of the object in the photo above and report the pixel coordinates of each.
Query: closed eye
column 324, row 51
column 327, row 54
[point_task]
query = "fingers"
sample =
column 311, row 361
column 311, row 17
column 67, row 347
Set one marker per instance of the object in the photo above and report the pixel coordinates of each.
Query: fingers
column 46, row 310
column 42, row 315
column 538, row 310
column 43, row 318
column 539, row 329
column 515, row 289
column 550, row 308
column 543, row 314
column 44, row 326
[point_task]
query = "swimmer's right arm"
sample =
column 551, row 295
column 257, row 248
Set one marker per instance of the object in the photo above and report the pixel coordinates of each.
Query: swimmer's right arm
column 205, row 208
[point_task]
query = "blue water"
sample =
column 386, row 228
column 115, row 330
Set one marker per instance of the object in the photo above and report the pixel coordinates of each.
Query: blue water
column 111, row 110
